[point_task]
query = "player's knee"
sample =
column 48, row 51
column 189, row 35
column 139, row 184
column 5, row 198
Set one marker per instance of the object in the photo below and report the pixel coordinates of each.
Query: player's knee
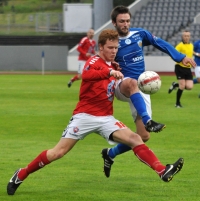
column 188, row 87
column 129, row 86
column 143, row 134
column 132, row 83
column 145, row 137
column 135, row 140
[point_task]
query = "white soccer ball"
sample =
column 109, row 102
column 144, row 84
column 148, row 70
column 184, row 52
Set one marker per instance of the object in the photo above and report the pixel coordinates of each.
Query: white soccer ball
column 149, row 82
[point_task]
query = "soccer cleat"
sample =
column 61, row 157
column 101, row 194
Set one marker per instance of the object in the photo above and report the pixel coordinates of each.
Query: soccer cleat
column 178, row 105
column 107, row 162
column 13, row 183
column 172, row 87
column 69, row 84
column 171, row 170
column 153, row 126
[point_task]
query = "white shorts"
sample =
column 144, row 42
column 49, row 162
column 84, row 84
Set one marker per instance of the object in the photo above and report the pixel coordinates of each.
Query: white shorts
column 121, row 97
column 83, row 124
column 197, row 71
column 81, row 65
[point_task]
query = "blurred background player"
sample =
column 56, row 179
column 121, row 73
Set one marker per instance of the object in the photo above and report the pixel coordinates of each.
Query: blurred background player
column 183, row 72
column 196, row 53
column 86, row 49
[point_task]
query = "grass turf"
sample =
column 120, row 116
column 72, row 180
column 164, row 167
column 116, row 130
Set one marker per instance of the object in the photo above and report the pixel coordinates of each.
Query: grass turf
column 34, row 110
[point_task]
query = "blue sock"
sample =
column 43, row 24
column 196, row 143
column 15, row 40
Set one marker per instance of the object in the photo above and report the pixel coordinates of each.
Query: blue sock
column 195, row 80
column 118, row 149
column 140, row 106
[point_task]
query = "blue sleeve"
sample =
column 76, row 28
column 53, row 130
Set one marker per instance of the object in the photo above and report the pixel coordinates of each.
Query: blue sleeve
column 195, row 46
column 162, row 45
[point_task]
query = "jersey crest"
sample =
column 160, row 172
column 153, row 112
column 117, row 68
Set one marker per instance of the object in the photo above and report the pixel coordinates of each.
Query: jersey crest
column 128, row 41
column 139, row 43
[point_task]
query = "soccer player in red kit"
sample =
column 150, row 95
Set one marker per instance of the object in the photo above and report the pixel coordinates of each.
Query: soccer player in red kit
column 86, row 49
column 94, row 114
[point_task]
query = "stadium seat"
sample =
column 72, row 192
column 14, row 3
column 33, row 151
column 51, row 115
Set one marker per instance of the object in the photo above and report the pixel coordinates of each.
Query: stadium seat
column 151, row 48
column 173, row 43
column 153, row 19
column 167, row 18
column 165, row 9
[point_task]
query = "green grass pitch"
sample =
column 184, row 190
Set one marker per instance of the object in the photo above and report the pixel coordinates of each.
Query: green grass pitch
column 34, row 110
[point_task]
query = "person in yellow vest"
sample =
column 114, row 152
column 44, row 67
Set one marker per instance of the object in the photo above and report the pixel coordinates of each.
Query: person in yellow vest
column 183, row 72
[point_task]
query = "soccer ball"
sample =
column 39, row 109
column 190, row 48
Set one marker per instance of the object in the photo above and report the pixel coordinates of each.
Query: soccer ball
column 149, row 82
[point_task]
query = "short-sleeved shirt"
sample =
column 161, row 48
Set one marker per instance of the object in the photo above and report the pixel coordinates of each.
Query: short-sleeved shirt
column 187, row 49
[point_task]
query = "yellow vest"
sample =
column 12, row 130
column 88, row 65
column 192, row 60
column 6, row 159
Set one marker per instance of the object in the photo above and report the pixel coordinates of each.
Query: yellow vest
column 186, row 49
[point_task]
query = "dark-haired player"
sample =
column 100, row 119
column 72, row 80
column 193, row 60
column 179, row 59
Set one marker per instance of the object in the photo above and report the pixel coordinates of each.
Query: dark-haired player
column 130, row 57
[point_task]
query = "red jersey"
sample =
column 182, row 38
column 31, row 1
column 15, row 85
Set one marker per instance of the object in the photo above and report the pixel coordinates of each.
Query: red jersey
column 97, row 88
column 86, row 45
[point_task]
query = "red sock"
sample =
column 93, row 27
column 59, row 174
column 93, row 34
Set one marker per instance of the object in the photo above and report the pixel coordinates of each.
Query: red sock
column 39, row 162
column 145, row 155
column 75, row 78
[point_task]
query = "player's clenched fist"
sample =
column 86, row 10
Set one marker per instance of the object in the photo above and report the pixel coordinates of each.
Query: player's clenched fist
column 116, row 74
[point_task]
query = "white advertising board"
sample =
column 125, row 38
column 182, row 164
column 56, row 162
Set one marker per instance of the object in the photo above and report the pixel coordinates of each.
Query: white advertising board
column 77, row 18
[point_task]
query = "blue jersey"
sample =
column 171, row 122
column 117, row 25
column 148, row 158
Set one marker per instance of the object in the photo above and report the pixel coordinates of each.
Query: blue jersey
column 197, row 49
column 130, row 54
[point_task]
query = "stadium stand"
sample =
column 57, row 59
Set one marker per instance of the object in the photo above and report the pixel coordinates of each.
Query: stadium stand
column 167, row 19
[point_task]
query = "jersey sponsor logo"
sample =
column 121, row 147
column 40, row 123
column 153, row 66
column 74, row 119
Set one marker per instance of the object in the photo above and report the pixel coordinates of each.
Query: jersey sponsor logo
column 133, row 57
column 136, row 35
column 136, row 59
column 128, row 41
